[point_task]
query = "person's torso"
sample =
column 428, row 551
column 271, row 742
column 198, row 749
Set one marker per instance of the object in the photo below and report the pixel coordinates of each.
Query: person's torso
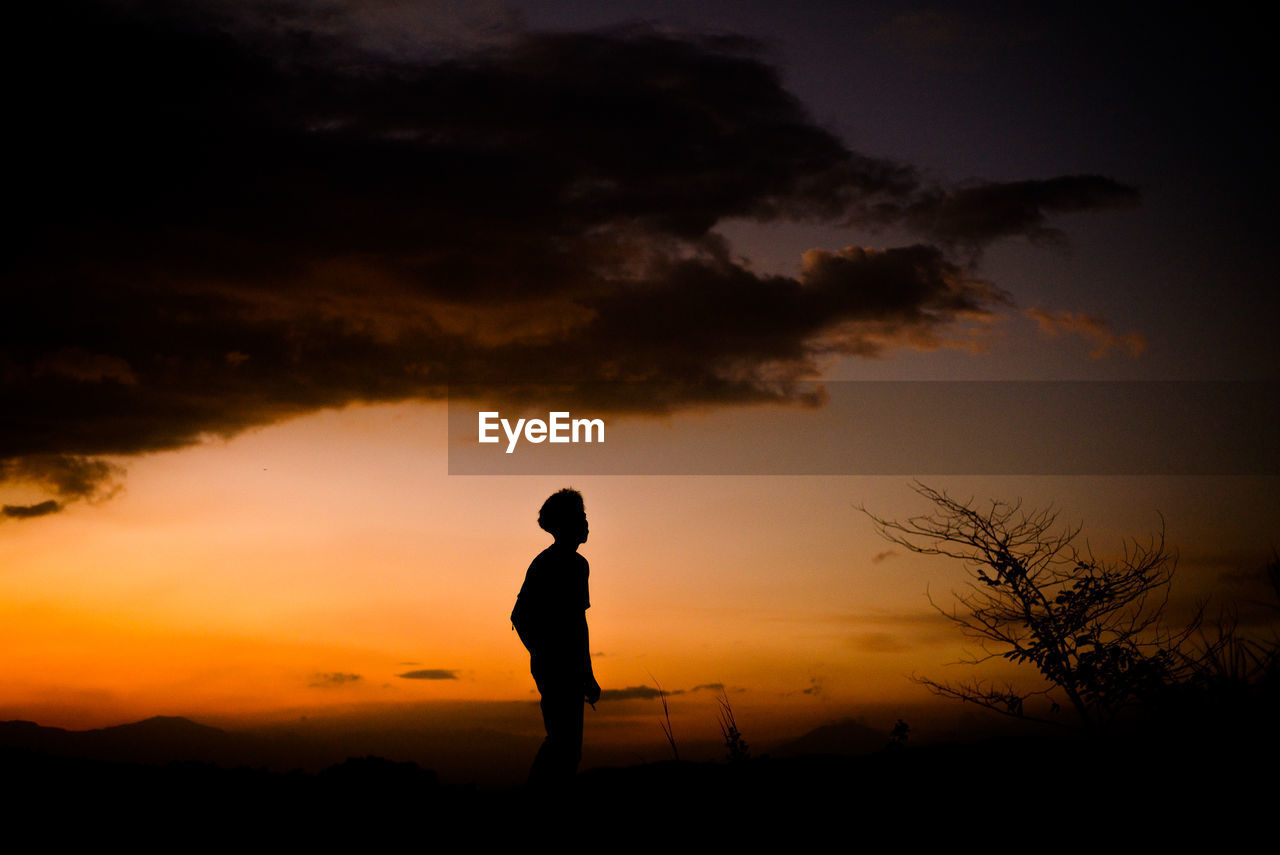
column 554, row 597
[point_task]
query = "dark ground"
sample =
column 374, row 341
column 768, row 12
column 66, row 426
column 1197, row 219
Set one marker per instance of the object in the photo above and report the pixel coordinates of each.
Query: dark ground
column 1014, row 792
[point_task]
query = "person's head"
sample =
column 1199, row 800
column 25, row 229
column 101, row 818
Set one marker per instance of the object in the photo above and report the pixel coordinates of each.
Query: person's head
column 564, row 517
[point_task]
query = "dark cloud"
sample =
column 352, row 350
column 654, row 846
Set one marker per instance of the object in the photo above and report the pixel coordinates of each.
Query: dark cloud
column 972, row 216
column 332, row 680
column 23, row 512
column 630, row 693
column 883, row 556
column 69, row 477
column 714, row 687
column 405, row 29
column 1092, row 328
column 430, row 674
column 228, row 216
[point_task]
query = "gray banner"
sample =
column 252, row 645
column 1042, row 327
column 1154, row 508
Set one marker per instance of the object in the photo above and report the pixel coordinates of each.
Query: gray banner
column 879, row 428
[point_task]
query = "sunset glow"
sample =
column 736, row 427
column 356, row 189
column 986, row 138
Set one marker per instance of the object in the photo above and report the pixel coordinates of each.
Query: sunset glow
column 254, row 267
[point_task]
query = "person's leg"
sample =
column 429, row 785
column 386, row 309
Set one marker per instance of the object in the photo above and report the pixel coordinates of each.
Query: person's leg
column 561, row 751
column 570, row 729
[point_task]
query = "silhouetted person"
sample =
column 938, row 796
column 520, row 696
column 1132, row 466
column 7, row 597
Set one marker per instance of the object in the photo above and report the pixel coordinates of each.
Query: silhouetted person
column 550, row 615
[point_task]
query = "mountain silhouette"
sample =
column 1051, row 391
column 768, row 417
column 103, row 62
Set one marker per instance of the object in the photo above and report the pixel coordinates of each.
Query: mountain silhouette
column 479, row 755
column 160, row 739
column 848, row 737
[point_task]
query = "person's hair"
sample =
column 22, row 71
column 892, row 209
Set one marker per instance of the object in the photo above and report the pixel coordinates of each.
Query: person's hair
column 563, row 507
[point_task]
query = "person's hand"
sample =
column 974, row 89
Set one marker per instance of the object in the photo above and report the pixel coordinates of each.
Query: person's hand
column 592, row 691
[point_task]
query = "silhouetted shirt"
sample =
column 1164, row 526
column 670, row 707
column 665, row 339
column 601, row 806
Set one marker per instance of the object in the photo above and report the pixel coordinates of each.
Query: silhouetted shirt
column 552, row 601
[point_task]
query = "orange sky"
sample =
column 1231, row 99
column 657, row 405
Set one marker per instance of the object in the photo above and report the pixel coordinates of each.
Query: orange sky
column 293, row 223
column 234, row 580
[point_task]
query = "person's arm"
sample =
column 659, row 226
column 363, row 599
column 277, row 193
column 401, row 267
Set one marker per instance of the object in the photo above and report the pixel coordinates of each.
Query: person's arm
column 591, row 689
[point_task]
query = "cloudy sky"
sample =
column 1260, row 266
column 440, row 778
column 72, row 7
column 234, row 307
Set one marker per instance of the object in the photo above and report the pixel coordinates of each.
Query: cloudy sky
column 255, row 246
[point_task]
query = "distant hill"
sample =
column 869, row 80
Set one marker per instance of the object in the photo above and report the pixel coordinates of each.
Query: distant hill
column 478, row 755
column 485, row 756
column 849, row 738
column 161, row 739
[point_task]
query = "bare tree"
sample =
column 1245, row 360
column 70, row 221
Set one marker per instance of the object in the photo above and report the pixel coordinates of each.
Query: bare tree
column 1094, row 630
